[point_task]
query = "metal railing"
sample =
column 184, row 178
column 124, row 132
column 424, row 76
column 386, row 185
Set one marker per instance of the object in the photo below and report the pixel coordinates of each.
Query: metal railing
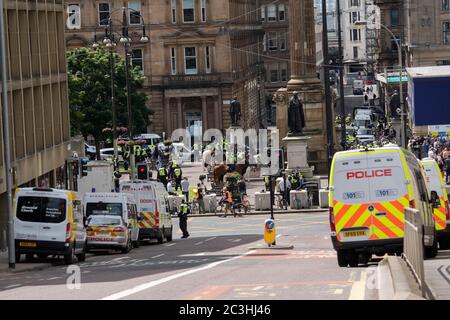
column 413, row 249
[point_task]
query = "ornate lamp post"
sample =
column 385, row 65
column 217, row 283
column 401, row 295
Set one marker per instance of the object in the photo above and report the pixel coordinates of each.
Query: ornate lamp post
column 121, row 30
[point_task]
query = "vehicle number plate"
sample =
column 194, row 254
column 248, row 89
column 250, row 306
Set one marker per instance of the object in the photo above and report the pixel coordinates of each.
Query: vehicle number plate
column 353, row 234
column 28, row 244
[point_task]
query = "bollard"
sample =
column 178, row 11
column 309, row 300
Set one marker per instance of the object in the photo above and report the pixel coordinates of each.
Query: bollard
column 269, row 232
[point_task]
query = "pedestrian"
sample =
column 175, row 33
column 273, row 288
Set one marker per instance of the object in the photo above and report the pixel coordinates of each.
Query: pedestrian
column 227, row 201
column 162, row 176
column 177, row 176
column 447, row 170
column 182, row 215
column 170, row 188
column 185, row 188
column 285, row 192
column 200, row 199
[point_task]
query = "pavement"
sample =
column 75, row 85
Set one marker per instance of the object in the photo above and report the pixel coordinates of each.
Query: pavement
column 223, row 259
column 437, row 275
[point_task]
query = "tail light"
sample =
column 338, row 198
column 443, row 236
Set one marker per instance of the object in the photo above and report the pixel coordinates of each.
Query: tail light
column 447, row 211
column 412, row 204
column 68, row 232
column 332, row 222
column 119, row 229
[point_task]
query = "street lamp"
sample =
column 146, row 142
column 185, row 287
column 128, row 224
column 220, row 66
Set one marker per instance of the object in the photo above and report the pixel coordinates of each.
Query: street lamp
column 403, row 141
column 126, row 41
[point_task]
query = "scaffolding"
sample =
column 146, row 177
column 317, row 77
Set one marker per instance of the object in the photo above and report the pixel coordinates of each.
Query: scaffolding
column 371, row 39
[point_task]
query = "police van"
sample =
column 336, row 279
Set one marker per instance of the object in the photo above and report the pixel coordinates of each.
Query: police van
column 155, row 220
column 49, row 222
column 369, row 190
column 436, row 183
column 114, row 204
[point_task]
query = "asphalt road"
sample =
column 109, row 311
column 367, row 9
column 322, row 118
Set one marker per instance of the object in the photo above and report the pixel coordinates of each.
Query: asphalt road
column 225, row 258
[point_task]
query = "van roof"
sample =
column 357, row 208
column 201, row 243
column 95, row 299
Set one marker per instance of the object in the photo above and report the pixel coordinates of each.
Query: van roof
column 49, row 191
column 393, row 148
column 108, row 195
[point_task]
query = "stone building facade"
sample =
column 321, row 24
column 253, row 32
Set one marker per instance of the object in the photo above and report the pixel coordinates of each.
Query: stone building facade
column 200, row 55
column 37, row 95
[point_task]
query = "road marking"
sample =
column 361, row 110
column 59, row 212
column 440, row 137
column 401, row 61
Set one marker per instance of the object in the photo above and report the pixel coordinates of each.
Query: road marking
column 13, row 286
column 170, row 244
column 258, row 288
column 199, row 243
column 339, row 291
column 54, row 278
column 155, row 283
column 159, row 255
column 237, row 240
column 359, row 288
column 279, row 235
column 200, row 254
column 210, row 239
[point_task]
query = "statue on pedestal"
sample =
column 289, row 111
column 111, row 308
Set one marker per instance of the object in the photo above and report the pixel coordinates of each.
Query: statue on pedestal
column 296, row 116
column 235, row 112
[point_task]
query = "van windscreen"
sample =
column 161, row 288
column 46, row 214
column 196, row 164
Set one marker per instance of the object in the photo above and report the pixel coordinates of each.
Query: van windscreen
column 103, row 209
column 41, row 209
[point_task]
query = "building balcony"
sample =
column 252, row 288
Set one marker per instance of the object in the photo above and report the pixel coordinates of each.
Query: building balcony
column 192, row 81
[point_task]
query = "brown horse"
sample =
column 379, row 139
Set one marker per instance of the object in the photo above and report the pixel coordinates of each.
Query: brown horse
column 222, row 169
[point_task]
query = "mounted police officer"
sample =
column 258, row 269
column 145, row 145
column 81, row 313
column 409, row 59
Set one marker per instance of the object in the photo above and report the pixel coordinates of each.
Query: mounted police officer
column 184, row 211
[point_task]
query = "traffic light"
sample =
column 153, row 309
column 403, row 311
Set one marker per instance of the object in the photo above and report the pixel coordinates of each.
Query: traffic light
column 142, row 171
column 83, row 167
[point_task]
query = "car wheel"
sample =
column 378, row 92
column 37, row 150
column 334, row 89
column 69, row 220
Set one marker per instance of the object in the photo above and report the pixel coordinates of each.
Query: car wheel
column 128, row 248
column 342, row 259
column 82, row 256
column 444, row 243
column 70, row 257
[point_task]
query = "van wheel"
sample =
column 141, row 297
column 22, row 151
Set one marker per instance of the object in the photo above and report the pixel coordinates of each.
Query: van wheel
column 161, row 237
column 342, row 259
column 432, row 252
column 29, row 256
column 444, row 243
column 169, row 236
column 82, row 256
column 70, row 257
column 352, row 259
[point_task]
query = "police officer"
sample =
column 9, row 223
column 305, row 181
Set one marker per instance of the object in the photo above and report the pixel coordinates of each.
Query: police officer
column 184, row 211
column 177, row 175
column 294, row 180
column 162, row 176
column 117, row 177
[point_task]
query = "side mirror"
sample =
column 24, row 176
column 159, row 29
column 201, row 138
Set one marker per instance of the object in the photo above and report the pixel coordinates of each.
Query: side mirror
column 140, row 218
column 434, row 200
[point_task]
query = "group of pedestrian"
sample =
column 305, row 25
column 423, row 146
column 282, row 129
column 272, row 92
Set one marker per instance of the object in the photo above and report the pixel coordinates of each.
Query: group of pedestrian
column 437, row 148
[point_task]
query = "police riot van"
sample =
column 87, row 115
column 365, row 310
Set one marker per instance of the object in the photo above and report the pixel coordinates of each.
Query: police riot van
column 155, row 220
column 114, row 204
column 436, row 183
column 49, row 222
column 369, row 190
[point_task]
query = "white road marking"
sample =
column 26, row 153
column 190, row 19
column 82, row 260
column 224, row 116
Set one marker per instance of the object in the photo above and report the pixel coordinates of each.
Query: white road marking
column 199, row 243
column 200, row 254
column 258, row 288
column 279, row 235
column 155, row 283
column 170, row 244
column 13, row 286
column 54, row 278
column 159, row 255
column 237, row 240
column 210, row 239
column 359, row 288
column 339, row 291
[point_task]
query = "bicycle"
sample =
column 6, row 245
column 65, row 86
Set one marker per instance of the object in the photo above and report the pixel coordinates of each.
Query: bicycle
column 281, row 202
column 194, row 207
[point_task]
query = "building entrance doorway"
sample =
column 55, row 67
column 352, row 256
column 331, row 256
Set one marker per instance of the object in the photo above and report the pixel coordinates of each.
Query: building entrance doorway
column 194, row 125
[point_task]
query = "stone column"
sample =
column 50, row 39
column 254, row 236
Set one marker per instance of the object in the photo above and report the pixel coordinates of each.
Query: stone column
column 204, row 114
column 167, row 112
column 180, row 114
column 302, row 40
column 216, row 113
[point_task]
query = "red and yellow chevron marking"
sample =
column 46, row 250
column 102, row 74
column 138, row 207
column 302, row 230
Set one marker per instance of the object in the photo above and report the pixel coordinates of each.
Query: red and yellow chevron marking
column 381, row 227
column 151, row 220
column 440, row 217
column 103, row 231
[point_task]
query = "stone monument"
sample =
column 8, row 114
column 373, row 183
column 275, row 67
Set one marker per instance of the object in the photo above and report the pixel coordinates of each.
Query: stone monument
column 311, row 143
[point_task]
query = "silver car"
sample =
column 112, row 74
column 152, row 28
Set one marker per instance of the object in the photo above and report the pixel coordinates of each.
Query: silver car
column 108, row 233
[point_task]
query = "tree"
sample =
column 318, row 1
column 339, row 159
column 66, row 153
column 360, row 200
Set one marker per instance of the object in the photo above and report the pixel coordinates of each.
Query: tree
column 89, row 78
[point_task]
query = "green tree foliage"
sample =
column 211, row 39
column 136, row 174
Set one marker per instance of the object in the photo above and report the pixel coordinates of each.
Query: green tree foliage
column 89, row 73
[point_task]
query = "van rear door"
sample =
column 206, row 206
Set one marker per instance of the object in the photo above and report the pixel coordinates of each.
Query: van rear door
column 388, row 194
column 435, row 182
column 350, row 199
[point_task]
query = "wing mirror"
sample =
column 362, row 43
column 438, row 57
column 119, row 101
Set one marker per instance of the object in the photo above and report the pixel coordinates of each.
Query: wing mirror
column 434, row 200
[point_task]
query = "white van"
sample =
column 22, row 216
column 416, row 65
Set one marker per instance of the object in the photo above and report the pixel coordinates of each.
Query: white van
column 49, row 222
column 152, row 206
column 114, row 204
column 436, row 183
column 369, row 190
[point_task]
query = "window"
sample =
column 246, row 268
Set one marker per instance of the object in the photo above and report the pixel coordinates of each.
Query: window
column 395, row 17
column 188, row 11
column 274, row 75
column 203, row 8
column 355, row 35
column 272, row 41
column 354, row 3
column 281, row 12
column 208, row 59
column 174, row 11
column 355, row 52
column 137, row 59
column 443, row 63
column 354, row 16
column 103, row 209
column 283, row 41
column 103, row 13
column 263, row 13
column 272, row 13
column 173, row 61
column 190, row 60
column 446, row 28
column 445, row 5
column 41, row 209
column 74, row 13
column 284, row 72
column 134, row 13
